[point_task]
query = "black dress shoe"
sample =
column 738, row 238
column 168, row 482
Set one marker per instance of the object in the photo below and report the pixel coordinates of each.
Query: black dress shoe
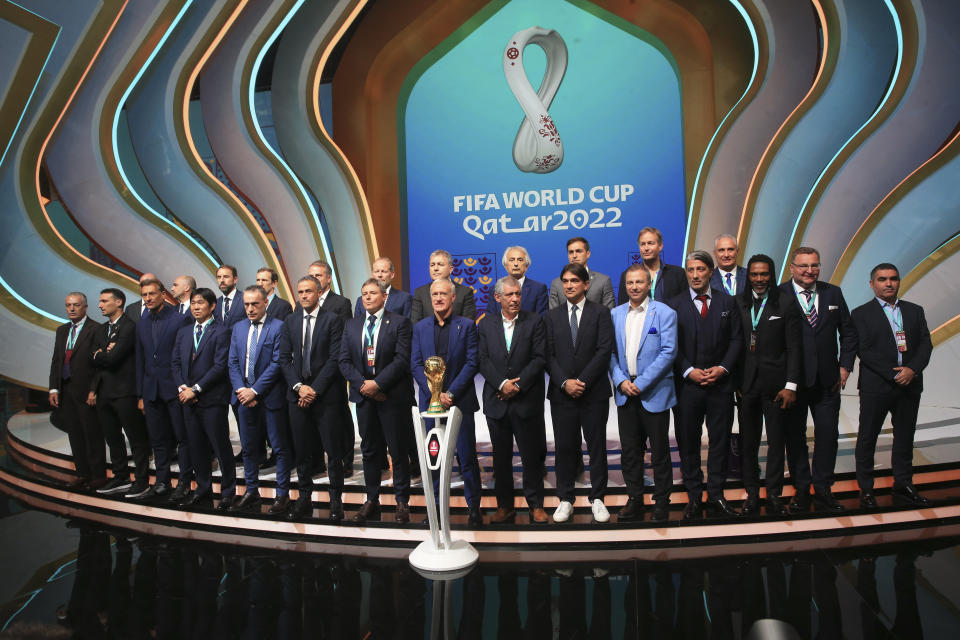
column 280, row 505
column 661, row 511
column 302, row 509
column 693, row 510
column 631, row 511
column 336, row 510
column 248, row 502
column 868, row 500
column 180, row 493
column 158, row 490
column 225, row 503
column 800, row 502
column 720, row 508
column 369, row 510
column 79, row 484
column 474, row 517
column 751, row 507
column 908, row 495
column 198, row 501
column 403, row 513
column 824, row 501
column 775, row 507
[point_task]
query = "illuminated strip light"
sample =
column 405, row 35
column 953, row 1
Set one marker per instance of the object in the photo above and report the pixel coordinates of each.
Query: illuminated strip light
column 116, row 125
column 28, row 305
column 883, row 102
column 753, row 74
column 273, row 152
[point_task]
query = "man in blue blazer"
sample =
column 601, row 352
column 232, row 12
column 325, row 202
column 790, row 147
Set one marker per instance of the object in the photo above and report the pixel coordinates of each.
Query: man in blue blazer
column 398, row 301
column 254, row 369
column 230, row 302
column 200, row 372
column 157, row 392
column 708, row 350
column 534, row 297
column 641, row 368
column 728, row 275
column 453, row 338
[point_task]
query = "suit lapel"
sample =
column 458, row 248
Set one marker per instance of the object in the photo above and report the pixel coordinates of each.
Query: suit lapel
column 647, row 323
column 454, row 339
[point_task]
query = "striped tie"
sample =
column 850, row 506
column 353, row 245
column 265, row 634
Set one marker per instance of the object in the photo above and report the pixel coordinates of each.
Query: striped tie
column 812, row 316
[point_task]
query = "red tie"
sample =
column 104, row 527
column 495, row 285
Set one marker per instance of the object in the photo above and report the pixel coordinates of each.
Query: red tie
column 703, row 306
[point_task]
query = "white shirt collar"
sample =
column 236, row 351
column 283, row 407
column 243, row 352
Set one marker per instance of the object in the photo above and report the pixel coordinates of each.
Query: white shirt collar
column 800, row 288
column 506, row 321
column 579, row 305
column 202, row 324
column 694, row 294
column 377, row 314
column 643, row 305
column 312, row 314
column 520, row 281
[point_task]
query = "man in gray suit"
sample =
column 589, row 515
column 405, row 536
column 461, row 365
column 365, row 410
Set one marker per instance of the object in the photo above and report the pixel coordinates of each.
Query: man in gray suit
column 601, row 289
column 441, row 266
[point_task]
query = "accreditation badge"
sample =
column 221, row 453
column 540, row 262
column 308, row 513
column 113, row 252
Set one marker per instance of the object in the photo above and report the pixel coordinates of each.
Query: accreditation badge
column 370, row 356
column 753, row 341
column 901, row 341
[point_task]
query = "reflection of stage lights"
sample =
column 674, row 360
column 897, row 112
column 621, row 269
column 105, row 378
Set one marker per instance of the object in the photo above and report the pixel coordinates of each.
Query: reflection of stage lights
column 537, row 147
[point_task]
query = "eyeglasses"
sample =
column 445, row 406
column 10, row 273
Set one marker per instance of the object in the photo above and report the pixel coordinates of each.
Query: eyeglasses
column 807, row 267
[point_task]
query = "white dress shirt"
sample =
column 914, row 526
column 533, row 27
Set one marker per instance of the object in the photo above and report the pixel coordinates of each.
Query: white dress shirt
column 636, row 316
column 798, row 289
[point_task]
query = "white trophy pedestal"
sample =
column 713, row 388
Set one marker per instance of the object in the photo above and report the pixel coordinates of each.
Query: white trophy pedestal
column 430, row 560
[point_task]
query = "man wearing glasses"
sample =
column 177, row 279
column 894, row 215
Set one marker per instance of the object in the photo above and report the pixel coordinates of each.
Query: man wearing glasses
column 825, row 372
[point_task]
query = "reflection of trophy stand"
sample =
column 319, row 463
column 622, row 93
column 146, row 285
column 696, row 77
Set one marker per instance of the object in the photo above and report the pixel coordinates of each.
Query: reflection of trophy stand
column 435, row 449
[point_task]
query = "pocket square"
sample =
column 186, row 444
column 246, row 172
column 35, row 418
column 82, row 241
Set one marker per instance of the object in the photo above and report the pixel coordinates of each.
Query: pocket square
column 833, row 307
column 724, row 314
column 773, row 318
column 652, row 330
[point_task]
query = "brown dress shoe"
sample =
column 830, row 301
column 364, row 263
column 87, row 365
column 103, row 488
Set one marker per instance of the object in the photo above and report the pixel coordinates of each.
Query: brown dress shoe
column 369, row 511
column 503, row 516
column 403, row 513
column 539, row 516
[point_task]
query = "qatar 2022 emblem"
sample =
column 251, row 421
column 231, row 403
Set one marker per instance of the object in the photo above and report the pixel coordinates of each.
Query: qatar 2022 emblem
column 537, row 147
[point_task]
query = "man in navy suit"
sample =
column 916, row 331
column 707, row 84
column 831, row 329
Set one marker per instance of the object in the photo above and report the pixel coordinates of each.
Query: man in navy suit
column 668, row 279
column 441, row 266
column 453, row 338
column 254, row 369
column 157, row 392
column 375, row 360
column 512, row 360
column 641, row 368
column 708, row 350
column 825, row 371
column 894, row 347
column 728, row 275
column 579, row 343
column 277, row 307
column 203, row 389
column 316, row 393
column 398, row 301
column 230, row 302
column 136, row 311
column 516, row 260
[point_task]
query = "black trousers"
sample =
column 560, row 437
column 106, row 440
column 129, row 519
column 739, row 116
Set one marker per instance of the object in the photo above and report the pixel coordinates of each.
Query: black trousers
column 568, row 420
column 824, row 406
column 317, row 421
column 636, row 425
column 756, row 410
column 165, row 426
column 902, row 405
column 118, row 416
column 530, row 434
column 347, row 438
column 381, row 426
column 210, row 436
column 694, row 404
column 80, row 422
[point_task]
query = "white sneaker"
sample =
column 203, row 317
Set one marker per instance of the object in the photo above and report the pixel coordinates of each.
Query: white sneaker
column 600, row 513
column 563, row 512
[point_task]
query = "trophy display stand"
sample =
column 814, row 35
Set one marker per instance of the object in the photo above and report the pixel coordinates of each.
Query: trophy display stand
column 440, row 555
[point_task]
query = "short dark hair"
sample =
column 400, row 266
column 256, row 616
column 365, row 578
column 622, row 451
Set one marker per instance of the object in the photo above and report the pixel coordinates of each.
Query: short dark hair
column 586, row 244
column 232, row 268
column 273, row 274
column 152, row 281
column 799, row 251
column 576, row 269
column 309, row 279
column 208, row 296
column 255, row 288
column 765, row 259
column 382, row 287
column 883, row 266
column 116, row 293
column 323, row 264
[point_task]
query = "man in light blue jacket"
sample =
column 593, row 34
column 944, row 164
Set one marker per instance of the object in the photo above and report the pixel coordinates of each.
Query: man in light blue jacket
column 642, row 371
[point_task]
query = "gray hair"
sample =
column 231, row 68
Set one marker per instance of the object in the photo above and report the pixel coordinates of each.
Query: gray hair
column 308, row 279
column 526, row 255
column 725, row 236
column 255, row 288
column 446, row 255
column 381, row 285
column 447, row 281
column 702, row 256
column 504, row 282
column 77, row 294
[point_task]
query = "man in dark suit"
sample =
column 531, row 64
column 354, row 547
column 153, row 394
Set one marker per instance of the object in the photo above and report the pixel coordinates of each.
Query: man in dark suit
column 728, row 275
column 769, row 374
column 398, row 301
column 453, row 338
column 136, row 311
column 601, row 288
column 316, row 393
column 375, row 360
column 277, row 307
column 203, row 388
column 255, row 377
column 441, row 266
column 825, row 371
column 668, row 280
column 230, row 302
column 580, row 340
column 115, row 383
column 72, row 393
column 894, row 347
column 516, row 260
column 157, row 391
column 709, row 345
column 512, row 360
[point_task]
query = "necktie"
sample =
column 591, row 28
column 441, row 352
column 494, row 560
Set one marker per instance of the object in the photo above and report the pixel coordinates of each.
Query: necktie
column 307, row 347
column 730, row 283
column 251, row 351
column 574, row 327
column 197, row 335
column 155, row 329
column 143, row 313
column 226, row 307
column 368, row 339
column 71, row 339
column 703, row 305
column 183, row 308
column 812, row 315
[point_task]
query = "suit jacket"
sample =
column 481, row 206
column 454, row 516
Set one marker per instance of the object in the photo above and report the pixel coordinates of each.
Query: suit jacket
column 324, row 376
column 134, row 310
column 533, row 297
column 671, row 281
column 715, row 340
column 658, row 350
column 600, row 291
column 116, row 369
column 461, row 361
column 821, row 361
column 588, row 361
column 205, row 366
column 236, row 313
column 266, row 374
column 778, row 357
column 81, row 370
column 877, row 346
column 338, row 305
column 278, row 308
column 391, row 359
column 463, row 304
column 154, row 358
column 398, row 301
column 526, row 360
column 716, row 280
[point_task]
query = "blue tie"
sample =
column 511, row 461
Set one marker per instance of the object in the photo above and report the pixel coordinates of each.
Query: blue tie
column 730, row 284
column 251, row 352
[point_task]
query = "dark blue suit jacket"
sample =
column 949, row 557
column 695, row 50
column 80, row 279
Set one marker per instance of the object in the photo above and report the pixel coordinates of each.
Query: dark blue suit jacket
column 526, row 360
column 266, row 378
column 533, row 297
column 461, row 361
column 236, row 310
column 877, row 346
column 154, row 373
column 821, row 361
column 324, row 376
column 391, row 361
column 208, row 366
column 278, row 308
column 398, row 302
column 717, row 340
column 716, row 282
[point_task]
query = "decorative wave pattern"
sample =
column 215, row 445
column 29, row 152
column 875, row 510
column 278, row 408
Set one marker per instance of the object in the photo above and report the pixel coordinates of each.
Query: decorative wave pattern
column 842, row 135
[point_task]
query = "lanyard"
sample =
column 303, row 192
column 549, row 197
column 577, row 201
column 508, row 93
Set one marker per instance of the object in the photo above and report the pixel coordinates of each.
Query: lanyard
column 653, row 283
column 198, row 337
column 727, row 278
column 756, row 313
column 72, row 336
column 372, row 330
column 807, row 309
column 896, row 317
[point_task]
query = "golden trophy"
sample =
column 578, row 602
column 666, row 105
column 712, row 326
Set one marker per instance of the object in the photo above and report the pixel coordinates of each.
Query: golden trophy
column 434, row 369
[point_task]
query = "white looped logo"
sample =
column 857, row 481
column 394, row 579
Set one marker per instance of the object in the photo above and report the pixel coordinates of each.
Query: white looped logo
column 537, row 147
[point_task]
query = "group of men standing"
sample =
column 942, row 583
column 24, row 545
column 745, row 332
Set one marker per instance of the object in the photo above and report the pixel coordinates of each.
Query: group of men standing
column 702, row 341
